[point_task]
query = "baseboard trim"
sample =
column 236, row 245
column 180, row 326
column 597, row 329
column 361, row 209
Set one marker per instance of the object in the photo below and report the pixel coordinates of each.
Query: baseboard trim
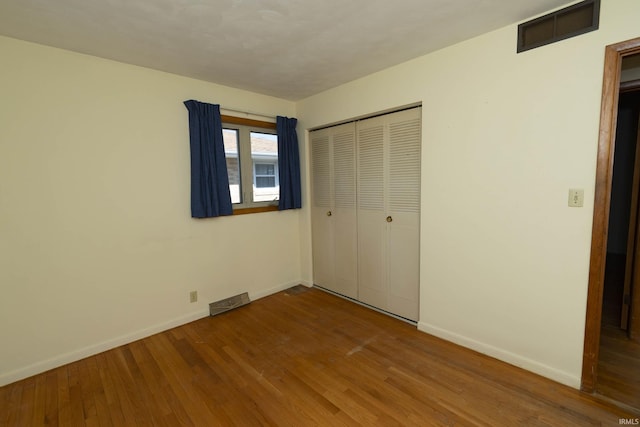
column 503, row 355
column 74, row 356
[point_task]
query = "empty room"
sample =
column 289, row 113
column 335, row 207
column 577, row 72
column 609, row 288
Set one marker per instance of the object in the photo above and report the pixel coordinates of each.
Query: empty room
column 231, row 212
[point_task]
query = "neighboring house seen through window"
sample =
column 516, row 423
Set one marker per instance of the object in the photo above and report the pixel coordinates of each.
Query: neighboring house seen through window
column 252, row 164
column 265, row 174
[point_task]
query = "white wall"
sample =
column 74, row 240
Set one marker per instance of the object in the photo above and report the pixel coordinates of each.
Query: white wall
column 97, row 245
column 504, row 260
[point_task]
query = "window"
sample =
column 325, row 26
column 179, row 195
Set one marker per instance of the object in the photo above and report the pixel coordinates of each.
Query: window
column 252, row 165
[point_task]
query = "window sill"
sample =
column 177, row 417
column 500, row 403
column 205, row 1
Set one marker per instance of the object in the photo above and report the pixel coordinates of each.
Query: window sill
column 244, row 211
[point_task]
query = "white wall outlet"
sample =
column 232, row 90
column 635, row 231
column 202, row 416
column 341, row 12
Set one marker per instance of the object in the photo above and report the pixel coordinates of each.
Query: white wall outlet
column 576, row 197
column 193, row 296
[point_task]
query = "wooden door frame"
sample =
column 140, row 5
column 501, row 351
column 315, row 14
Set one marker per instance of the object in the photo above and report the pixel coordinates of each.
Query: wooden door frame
column 602, row 198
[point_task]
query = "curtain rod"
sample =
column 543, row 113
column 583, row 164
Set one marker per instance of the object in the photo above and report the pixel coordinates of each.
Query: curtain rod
column 248, row 113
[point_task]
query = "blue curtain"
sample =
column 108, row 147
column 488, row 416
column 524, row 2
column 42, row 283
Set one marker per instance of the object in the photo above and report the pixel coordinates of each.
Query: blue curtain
column 210, row 194
column 288, row 163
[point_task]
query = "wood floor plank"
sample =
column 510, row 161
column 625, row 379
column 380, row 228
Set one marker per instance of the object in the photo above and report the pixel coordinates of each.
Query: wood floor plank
column 13, row 403
column 131, row 403
column 4, row 404
column 296, row 359
column 93, row 389
column 28, row 399
column 110, row 390
column 179, row 377
column 51, row 407
column 65, row 415
column 152, row 376
column 39, row 408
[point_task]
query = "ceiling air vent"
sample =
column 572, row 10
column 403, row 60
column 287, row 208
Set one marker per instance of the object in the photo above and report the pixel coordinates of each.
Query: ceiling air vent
column 571, row 21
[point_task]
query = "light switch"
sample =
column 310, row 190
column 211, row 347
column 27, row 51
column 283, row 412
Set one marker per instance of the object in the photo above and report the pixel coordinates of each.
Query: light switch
column 576, row 197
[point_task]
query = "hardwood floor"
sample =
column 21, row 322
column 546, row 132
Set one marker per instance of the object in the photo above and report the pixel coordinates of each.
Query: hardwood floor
column 296, row 358
column 619, row 367
column 619, row 362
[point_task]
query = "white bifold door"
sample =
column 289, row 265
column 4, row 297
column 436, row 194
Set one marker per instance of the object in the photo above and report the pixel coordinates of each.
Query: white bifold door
column 388, row 212
column 334, row 226
column 366, row 210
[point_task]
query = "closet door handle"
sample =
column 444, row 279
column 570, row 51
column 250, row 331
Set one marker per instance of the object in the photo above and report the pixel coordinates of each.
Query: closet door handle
column 389, row 219
column 329, row 213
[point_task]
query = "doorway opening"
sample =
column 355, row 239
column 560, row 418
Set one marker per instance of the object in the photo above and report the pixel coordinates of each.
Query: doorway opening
column 619, row 361
column 610, row 358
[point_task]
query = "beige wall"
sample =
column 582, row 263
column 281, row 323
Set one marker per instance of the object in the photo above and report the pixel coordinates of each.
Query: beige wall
column 97, row 245
column 504, row 260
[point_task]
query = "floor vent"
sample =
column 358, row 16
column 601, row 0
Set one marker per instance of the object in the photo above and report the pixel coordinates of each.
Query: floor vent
column 228, row 304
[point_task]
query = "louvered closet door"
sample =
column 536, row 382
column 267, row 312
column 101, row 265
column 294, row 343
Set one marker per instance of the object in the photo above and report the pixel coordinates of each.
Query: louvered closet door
column 389, row 212
column 372, row 271
column 322, row 206
column 403, row 206
column 334, row 224
column 343, row 142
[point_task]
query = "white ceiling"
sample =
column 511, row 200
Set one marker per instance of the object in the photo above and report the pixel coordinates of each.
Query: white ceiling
column 286, row 48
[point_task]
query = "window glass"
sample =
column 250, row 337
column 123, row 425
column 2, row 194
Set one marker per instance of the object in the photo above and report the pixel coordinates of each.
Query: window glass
column 232, row 153
column 264, row 156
